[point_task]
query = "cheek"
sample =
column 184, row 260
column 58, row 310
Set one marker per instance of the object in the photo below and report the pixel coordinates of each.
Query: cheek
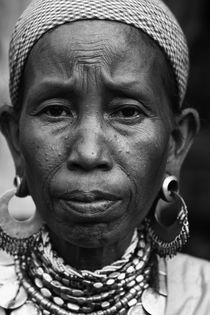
column 145, row 162
column 42, row 154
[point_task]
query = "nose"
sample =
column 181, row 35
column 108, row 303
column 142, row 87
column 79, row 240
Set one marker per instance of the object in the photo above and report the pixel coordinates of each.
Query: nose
column 90, row 151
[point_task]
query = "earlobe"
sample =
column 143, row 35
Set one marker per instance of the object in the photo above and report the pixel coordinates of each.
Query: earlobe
column 186, row 128
column 9, row 126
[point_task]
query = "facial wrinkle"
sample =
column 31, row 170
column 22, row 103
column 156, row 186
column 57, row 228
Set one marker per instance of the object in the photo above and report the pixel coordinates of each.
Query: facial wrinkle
column 94, row 52
column 88, row 76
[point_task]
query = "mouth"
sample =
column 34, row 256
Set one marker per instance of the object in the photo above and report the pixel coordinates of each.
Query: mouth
column 93, row 203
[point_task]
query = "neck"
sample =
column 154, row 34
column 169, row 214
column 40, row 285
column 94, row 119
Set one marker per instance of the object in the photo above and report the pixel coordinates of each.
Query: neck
column 89, row 258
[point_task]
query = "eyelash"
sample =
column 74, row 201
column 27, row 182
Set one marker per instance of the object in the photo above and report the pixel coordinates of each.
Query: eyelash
column 125, row 114
column 128, row 114
column 48, row 110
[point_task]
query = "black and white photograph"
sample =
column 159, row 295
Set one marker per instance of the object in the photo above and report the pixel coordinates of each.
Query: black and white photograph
column 104, row 157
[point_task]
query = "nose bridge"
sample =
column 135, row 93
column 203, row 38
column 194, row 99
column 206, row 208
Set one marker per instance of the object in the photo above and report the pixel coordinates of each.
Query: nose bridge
column 90, row 147
column 90, row 140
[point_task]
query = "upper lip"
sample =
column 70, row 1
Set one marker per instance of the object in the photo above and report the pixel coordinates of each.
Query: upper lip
column 89, row 196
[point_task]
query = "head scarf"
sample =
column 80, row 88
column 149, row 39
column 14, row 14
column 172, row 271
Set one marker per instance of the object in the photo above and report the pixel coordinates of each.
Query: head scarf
column 150, row 16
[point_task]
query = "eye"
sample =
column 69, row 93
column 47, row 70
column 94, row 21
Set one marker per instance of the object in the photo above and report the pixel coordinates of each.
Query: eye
column 57, row 111
column 128, row 114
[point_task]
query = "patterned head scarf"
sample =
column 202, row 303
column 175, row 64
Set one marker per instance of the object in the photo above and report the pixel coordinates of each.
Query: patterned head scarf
column 150, row 16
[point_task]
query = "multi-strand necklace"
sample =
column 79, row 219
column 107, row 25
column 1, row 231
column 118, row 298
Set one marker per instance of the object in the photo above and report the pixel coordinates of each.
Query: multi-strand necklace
column 48, row 287
column 60, row 289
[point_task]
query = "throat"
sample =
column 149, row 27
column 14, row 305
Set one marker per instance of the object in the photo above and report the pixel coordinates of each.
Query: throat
column 89, row 258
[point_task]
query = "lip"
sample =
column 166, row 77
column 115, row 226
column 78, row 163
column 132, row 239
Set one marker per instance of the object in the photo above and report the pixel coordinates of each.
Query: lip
column 89, row 204
column 89, row 196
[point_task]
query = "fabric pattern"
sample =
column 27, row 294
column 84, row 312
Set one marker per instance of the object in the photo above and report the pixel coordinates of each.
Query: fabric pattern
column 151, row 16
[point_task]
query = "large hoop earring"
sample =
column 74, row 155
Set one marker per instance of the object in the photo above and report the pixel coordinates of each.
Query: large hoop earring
column 17, row 236
column 169, row 238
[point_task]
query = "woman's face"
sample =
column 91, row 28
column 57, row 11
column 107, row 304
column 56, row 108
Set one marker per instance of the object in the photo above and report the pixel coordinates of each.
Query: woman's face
column 94, row 130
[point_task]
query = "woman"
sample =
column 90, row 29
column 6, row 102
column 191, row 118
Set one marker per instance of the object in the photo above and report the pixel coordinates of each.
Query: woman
column 98, row 134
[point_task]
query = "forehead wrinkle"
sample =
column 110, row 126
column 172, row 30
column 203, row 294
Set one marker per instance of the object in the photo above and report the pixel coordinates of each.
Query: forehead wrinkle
column 70, row 55
column 95, row 52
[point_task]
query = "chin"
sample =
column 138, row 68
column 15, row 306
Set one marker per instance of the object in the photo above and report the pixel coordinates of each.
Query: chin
column 95, row 235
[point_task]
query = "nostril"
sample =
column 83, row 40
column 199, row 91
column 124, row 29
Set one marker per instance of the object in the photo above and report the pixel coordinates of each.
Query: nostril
column 73, row 165
column 104, row 166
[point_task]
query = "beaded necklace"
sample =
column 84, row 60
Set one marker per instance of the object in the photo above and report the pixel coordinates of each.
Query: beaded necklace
column 46, row 286
column 62, row 290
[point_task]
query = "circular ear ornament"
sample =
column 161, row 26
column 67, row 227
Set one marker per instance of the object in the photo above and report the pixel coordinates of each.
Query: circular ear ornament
column 170, row 186
column 17, row 236
column 168, row 236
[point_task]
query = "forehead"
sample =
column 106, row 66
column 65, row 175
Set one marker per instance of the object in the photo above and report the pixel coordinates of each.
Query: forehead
column 108, row 51
column 106, row 41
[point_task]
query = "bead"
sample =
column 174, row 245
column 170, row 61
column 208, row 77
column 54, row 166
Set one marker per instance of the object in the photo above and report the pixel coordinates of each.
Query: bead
column 73, row 307
column 56, row 284
column 133, row 291
column 110, row 282
column 47, row 277
column 139, row 278
column 46, row 292
column 98, row 285
column 123, row 311
column 66, row 281
column 121, row 276
column 58, row 301
column 77, row 292
column 136, row 261
column 40, row 271
column 140, row 253
column 142, row 244
column 131, row 284
column 105, row 304
column 86, row 309
column 132, row 302
column 140, row 265
column 38, row 283
column 114, row 275
column 130, row 269
column 116, row 285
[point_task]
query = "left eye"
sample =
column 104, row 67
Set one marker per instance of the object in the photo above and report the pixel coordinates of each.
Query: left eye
column 128, row 112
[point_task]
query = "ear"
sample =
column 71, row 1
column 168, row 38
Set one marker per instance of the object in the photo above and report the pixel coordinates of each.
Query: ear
column 186, row 127
column 9, row 125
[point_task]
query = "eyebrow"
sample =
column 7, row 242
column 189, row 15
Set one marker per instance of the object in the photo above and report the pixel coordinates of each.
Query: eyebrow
column 130, row 86
column 48, row 87
column 56, row 87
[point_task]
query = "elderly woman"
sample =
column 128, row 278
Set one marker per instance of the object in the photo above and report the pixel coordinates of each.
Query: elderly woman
column 98, row 134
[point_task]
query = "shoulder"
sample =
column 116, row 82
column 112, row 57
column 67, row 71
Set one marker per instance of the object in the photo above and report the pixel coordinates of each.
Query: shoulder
column 190, row 268
column 188, row 286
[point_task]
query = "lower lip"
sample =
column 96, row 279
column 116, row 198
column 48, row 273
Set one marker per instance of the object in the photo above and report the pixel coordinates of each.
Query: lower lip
column 89, row 209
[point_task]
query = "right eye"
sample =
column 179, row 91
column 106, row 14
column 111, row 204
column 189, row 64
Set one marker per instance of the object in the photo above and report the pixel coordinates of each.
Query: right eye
column 57, row 111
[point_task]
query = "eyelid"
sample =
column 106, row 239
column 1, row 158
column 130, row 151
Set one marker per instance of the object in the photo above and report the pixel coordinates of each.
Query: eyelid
column 120, row 105
column 50, row 103
column 127, row 100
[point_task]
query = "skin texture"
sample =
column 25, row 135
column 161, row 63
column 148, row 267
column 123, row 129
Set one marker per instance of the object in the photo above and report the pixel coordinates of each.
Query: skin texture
column 95, row 117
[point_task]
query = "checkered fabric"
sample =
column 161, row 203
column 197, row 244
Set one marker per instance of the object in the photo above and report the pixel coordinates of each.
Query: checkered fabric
column 151, row 16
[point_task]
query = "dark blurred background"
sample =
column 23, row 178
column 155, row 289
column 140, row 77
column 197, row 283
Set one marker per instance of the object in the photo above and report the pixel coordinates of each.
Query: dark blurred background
column 193, row 16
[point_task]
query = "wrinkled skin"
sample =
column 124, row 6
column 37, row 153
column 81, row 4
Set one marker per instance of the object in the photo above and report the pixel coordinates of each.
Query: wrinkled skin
column 95, row 117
